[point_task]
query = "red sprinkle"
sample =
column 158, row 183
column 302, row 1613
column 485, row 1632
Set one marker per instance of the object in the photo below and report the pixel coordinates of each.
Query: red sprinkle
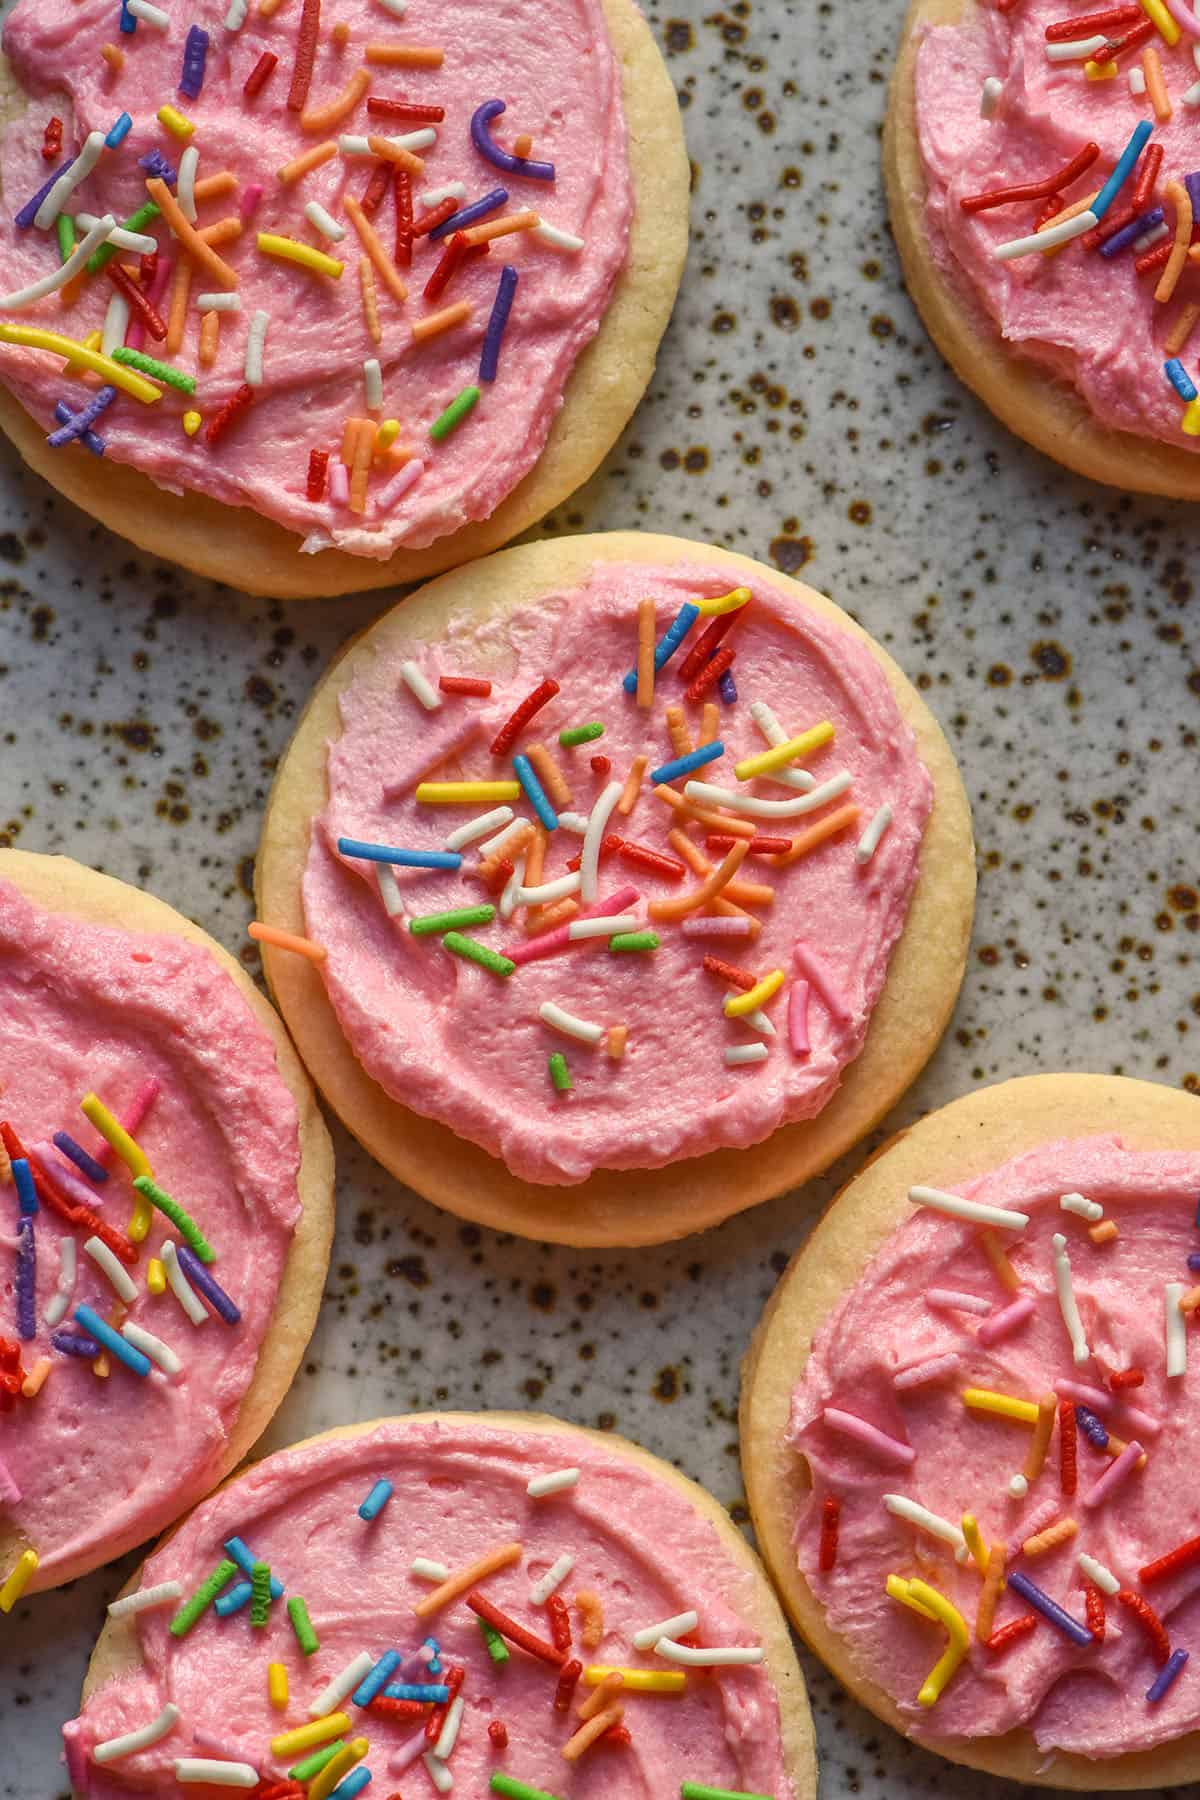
column 1110, row 224
column 306, row 56
column 515, row 1633
column 600, row 765
column 1149, row 1621
column 735, row 977
column 1129, row 40
column 1033, row 190
column 610, row 843
column 437, row 1718
column 52, row 139
column 389, row 1708
column 147, row 268
column 11, row 1373
column 831, row 1513
column 511, row 730
column 1094, row 1601
column 402, row 187
column 260, row 74
column 1068, row 1448
column 318, row 467
column 1126, row 1378
column 1148, row 168
column 1009, row 1634
column 642, row 857
column 711, row 673
column 465, row 684
column 1064, row 31
column 617, row 1734
column 437, row 215
column 230, row 413
column 136, row 299
column 560, row 1622
column 81, row 1216
column 1156, row 258
column 1182, row 1557
column 376, row 189
column 1051, row 210
column 759, row 846
column 707, row 642
column 457, row 251
column 404, row 109
column 279, row 1790
column 500, row 873
column 566, row 1685
column 498, row 1732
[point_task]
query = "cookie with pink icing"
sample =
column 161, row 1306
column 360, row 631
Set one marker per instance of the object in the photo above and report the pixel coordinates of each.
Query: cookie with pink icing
column 525, row 1607
column 149, row 1332
column 655, row 982
column 401, row 280
column 966, row 1424
column 1014, row 123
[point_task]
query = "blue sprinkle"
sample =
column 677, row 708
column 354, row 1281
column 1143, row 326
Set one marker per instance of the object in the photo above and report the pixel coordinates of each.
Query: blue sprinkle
column 1179, row 379
column 354, row 1783
column 727, row 687
column 128, row 19
column 434, row 1665
column 376, row 1679
column 245, row 1559
column 376, row 1500
column 95, row 1171
column 1123, row 170
column 683, row 765
column 404, row 859
column 471, row 214
column 121, row 130
column 1167, row 1676
column 195, row 55
column 418, row 1690
column 112, row 1341
column 668, row 644
column 26, row 1192
column 233, row 1599
column 535, row 793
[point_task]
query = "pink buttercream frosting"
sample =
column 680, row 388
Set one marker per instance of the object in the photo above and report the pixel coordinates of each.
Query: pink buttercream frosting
column 102, row 1464
column 458, row 1044
column 1089, row 1701
column 562, row 85
column 1087, row 318
column 458, row 1491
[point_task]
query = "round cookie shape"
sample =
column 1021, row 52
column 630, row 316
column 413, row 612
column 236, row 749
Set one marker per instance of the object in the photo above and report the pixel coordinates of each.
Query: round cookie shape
column 860, row 1323
column 579, row 1542
column 1067, row 351
column 585, row 1174
column 583, row 325
column 108, row 991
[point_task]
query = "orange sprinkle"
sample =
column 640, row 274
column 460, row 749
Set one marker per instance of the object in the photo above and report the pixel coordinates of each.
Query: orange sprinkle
column 995, row 1253
column 364, row 449
column 210, row 339
column 285, row 940
column 680, row 905
column 748, row 893
column 1168, row 281
column 370, row 299
column 614, row 1045
column 210, row 187
column 113, row 56
column 387, row 151
column 594, row 1728
column 385, row 268
column 710, row 723
column 558, row 914
column 463, row 1579
column 839, row 820
column 607, row 1688
column 645, row 654
column 350, row 431
column 522, row 145
column 268, row 8
column 34, row 1382
column 1190, row 1301
column 324, row 118
column 681, row 737
column 340, row 35
column 224, row 231
column 1181, row 330
column 730, row 823
column 201, row 253
column 181, row 282
column 498, row 228
column 1156, row 87
column 1104, row 1233
column 433, row 324
column 993, row 1581
column 308, row 159
column 1032, row 1468
column 405, row 56
column 535, row 863
column 633, row 786
column 551, row 778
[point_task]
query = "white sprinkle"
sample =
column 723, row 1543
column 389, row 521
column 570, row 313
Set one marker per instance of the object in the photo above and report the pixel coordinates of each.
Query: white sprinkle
column 389, row 891
column 124, row 1287
column 1078, row 1203
column 1076, row 49
column 555, row 1575
column 754, row 808
column 558, row 240
column 373, row 383
column 958, row 1208
column 136, row 241
column 679, row 1626
column 601, row 813
column 931, row 1368
column 775, row 735
column 235, row 18
column 132, row 1741
column 573, row 821
column 1018, row 1486
column 427, row 1570
column 1050, row 239
column 1137, row 85
column 868, row 843
column 569, row 1024
column 448, row 1736
column 181, row 1287
column 422, row 139
column 439, row 1774
column 1096, row 1571
column 511, row 892
column 1176, row 1328
column 757, row 1021
column 256, row 339
column 200, row 1768
column 219, row 302
column 151, row 15
column 116, row 324
column 331, row 1696
column 553, row 1483
column 419, row 684
column 397, row 8
column 324, row 222
column 1066, row 1299
column 145, row 1598
column 1154, row 235
column 185, row 187
column 548, row 891
column 60, row 1299
column 956, row 1301
column 349, row 144
column 989, row 98
column 711, row 1656
column 596, row 928
column 69, row 180
column 477, row 828
column 737, row 1054
column 919, row 1515
column 153, row 1347
column 453, row 190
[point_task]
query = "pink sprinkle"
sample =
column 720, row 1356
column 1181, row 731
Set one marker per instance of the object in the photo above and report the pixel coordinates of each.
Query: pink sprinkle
column 408, row 1753
column 220, row 1747
column 1114, row 1475
column 339, row 482
column 1144, row 1422
column 1003, row 1323
column 560, row 937
column 888, row 1449
column 158, row 285
column 131, row 1119
column 930, row 1370
column 8, row 1488
column 456, row 732
column 135, row 335
column 957, row 1301
column 812, row 966
column 1096, row 1398
column 399, row 485
column 1040, row 1517
column 66, row 1176
column 798, row 1018
column 701, row 925
column 251, row 197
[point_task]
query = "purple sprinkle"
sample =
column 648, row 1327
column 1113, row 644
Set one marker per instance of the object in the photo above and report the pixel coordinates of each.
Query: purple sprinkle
column 489, row 362
column 1093, row 1429
column 1170, row 1671
column 155, row 163
column 481, row 137
column 95, row 1171
column 727, row 687
column 25, row 217
column 1192, row 184
column 195, row 54
column 205, row 1285
column 1194, row 1262
column 1121, row 240
column 1050, row 1609
column 467, row 215
column 78, row 425
column 74, row 1343
column 26, row 1281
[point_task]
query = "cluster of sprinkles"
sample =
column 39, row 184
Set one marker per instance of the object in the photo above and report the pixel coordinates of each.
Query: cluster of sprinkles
column 1121, row 218
column 413, row 1700
column 567, row 911
column 1092, row 1467
column 61, row 1176
column 155, row 263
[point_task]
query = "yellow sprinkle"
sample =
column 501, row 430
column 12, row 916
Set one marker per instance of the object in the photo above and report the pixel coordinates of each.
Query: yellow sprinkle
column 140, row 1220
column 782, row 754
column 465, row 793
column 1005, row 1405
column 898, row 1587
column 1190, row 423
column 175, row 123
column 975, row 1543
column 738, row 1005
column 192, row 423
column 156, row 1277
column 639, row 1681
column 18, row 1580
column 324, row 1783
column 955, row 1650
column 1161, row 19
column 1099, row 71
column 306, row 1736
column 723, row 603
column 277, row 1686
column 72, row 351
column 34, row 1382
column 92, row 341
column 114, row 1133
column 292, row 250
column 387, row 434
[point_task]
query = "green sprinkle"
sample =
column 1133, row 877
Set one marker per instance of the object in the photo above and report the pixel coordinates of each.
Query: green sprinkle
column 692, row 1790
column 260, row 1594
column 150, row 365
column 202, row 1599
column 454, row 414
column 312, row 1765
column 306, row 1637
column 428, row 923
column 560, row 1075
column 634, row 940
column 183, row 1222
column 518, row 1790
column 497, row 1649
column 64, row 226
column 479, row 953
column 579, row 734
column 136, row 220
